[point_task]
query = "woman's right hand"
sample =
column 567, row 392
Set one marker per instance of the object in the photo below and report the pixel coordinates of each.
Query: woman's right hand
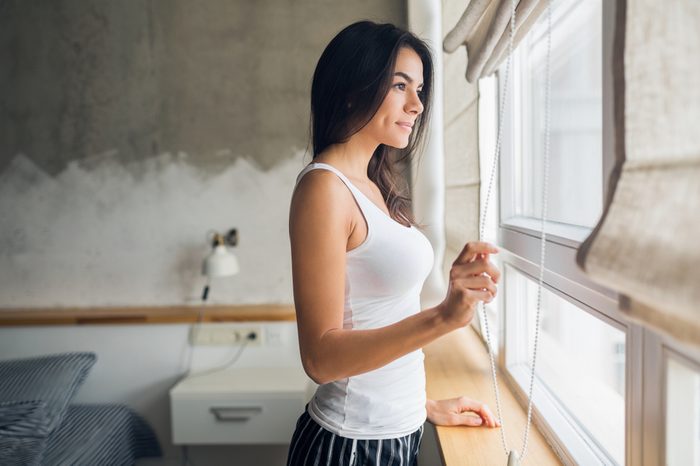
column 473, row 278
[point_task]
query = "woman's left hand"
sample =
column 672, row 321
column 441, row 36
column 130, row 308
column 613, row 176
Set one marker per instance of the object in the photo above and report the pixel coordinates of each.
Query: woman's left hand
column 461, row 411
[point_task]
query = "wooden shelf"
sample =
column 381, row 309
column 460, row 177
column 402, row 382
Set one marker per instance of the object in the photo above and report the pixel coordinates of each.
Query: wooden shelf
column 458, row 364
column 145, row 315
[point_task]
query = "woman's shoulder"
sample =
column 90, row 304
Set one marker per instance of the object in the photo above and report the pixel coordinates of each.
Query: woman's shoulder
column 320, row 209
column 318, row 181
column 321, row 188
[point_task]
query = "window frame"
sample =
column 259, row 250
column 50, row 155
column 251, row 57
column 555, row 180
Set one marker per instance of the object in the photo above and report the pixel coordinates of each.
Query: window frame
column 559, row 427
column 519, row 238
column 680, row 359
column 566, row 234
column 657, row 350
column 646, row 351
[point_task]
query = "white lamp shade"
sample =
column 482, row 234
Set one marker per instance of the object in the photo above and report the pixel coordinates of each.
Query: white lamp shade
column 220, row 263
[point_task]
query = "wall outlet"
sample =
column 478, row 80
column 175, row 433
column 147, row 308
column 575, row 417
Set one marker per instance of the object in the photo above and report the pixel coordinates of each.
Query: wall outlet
column 226, row 335
column 274, row 336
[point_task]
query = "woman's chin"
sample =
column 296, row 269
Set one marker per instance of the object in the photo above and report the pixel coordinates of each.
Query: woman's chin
column 397, row 144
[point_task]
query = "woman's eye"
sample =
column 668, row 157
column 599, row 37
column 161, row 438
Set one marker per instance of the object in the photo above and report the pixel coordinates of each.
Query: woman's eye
column 400, row 84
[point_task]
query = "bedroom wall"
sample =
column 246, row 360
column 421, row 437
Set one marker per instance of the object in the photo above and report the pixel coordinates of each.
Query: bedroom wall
column 127, row 130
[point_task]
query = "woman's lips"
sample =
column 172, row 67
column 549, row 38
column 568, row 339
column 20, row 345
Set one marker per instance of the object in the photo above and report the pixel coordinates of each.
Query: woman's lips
column 405, row 126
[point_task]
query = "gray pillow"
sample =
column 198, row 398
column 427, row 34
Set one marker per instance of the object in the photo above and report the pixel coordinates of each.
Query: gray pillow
column 54, row 379
column 23, row 432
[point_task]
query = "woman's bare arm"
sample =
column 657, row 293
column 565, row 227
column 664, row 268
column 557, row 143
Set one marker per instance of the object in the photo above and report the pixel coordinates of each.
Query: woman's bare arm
column 319, row 226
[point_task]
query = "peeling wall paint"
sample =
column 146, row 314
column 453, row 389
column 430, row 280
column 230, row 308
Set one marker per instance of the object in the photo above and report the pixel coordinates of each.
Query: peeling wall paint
column 129, row 130
column 98, row 234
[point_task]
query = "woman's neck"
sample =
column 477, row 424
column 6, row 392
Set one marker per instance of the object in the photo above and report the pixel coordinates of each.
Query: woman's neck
column 351, row 157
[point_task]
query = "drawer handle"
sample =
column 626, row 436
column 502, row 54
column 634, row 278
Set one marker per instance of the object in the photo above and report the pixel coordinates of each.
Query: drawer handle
column 235, row 414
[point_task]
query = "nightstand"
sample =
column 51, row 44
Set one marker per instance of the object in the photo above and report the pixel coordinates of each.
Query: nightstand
column 239, row 406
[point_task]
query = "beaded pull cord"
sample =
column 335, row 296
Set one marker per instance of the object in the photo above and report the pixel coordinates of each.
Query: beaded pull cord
column 513, row 456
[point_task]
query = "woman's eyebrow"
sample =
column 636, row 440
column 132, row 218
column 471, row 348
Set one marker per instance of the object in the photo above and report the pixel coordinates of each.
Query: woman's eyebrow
column 406, row 77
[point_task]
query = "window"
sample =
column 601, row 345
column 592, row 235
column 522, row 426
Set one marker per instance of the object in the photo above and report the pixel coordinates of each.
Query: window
column 603, row 384
column 576, row 152
column 682, row 412
column 580, row 363
column 580, row 384
column 576, row 182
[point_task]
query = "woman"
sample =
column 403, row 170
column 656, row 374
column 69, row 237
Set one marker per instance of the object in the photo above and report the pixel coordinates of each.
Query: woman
column 359, row 263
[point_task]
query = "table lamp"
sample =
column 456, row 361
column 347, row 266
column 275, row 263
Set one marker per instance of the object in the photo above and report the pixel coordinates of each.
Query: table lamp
column 220, row 262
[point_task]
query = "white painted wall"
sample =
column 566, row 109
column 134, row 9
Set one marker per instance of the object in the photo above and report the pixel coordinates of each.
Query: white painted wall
column 102, row 234
column 105, row 233
column 428, row 170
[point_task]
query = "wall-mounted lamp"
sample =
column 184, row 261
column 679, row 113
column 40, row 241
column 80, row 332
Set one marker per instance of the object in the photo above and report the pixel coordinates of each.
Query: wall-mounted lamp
column 221, row 261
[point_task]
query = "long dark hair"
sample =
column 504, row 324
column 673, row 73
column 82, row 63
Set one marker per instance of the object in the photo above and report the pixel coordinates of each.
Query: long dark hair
column 351, row 79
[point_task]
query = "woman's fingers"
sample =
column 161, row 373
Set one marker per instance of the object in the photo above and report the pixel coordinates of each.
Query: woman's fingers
column 481, row 409
column 479, row 295
column 477, row 283
column 488, row 417
column 472, row 249
column 472, row 279
column 492, row 271
column 468, row 420
column 476, row 267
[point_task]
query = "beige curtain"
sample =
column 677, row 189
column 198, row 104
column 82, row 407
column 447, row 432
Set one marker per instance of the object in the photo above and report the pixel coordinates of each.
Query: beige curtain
column 647, row 245
column 484, row 29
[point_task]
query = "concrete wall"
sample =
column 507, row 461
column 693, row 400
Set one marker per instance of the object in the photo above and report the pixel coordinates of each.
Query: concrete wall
column 127, row 130
column 80, row 78
column 461, row 145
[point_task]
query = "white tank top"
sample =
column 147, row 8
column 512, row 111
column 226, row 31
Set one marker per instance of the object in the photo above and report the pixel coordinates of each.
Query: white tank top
column 383, row 279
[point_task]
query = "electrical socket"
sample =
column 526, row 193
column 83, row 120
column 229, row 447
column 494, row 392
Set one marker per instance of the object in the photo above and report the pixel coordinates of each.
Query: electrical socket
column 274, row 336
column 225, row 335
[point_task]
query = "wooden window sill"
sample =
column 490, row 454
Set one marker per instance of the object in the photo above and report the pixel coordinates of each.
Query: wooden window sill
column 145, row 315
column 458, row 364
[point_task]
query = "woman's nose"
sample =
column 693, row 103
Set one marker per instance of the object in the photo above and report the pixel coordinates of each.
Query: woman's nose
column 414, row 104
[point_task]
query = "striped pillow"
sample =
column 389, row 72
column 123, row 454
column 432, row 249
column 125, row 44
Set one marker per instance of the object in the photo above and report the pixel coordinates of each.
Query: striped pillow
column 54, row 379
column 23, row 432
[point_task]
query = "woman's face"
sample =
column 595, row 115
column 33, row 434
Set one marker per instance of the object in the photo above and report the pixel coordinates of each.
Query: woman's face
column 393, row 122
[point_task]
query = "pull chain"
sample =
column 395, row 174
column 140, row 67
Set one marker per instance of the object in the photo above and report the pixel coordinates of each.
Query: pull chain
column 487, row 203
column 513, row 457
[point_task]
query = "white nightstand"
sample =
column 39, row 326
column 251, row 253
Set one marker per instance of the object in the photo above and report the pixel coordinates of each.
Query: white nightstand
column 239, row 406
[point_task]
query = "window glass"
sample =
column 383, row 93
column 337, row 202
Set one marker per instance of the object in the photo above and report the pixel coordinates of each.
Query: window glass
column 581, row 360
column 682, row 414
column 575, row 172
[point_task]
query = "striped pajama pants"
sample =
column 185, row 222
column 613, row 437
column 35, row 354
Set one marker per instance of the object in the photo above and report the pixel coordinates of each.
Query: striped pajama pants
column 312, row 445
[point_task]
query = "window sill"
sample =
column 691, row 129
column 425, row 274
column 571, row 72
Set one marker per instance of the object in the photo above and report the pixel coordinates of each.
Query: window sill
column 145, row 315
column 458, row 364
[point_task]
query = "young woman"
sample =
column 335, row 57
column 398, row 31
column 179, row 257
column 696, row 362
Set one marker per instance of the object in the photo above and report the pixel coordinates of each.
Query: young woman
column 359, row 262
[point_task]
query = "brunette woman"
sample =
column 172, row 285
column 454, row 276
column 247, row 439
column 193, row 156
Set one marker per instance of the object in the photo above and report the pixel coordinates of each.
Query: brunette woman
column 359, row 262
